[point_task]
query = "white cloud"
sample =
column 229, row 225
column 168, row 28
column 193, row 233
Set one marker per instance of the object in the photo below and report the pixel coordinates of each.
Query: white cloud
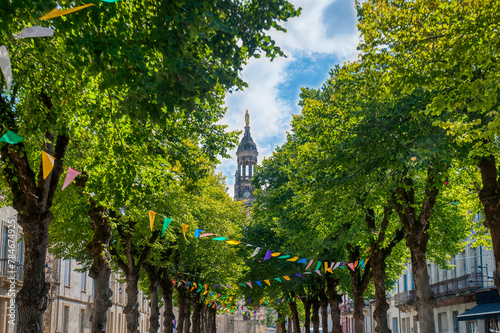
column 315, row 32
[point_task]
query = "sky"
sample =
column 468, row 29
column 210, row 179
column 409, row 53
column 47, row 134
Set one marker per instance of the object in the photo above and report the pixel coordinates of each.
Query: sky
column 324, row 35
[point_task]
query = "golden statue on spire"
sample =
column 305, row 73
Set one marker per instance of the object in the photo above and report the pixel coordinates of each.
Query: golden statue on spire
column 247, row 119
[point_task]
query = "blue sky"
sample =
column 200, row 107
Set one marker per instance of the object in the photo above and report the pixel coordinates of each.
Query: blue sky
column 323, row 35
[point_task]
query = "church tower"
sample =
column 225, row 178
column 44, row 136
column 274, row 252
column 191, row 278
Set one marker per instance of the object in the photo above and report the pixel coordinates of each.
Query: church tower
column 246, row 160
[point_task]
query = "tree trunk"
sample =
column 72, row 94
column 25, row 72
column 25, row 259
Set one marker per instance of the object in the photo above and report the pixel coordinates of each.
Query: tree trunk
column 167, row 288
column 280, row 323
column 315, row 313
column 181, row 303
column 490, row 199
column 32, row 199
column 204, row 326
column 290, row 321
column 381, row 306
column 307, row 310
column 100, row 270
column 195, row 301
column 131, row 310
column 324, row 310
column 334, row 299
column 416, row 240
column 213, row 319
column 33, row 299
column 295, row 314
column 359, row 283
column 187, row 313
column 154, row 280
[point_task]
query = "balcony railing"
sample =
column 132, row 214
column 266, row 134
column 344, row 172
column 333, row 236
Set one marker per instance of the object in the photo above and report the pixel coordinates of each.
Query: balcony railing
column 450, row 287
column 11, row 269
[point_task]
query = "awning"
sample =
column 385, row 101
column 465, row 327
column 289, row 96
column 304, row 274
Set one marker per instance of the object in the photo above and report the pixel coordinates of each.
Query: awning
column 481, row 311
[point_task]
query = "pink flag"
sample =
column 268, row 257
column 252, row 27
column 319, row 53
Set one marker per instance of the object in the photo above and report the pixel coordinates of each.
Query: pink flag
column 351, row 266
column 319, row 273
column 207, row 234
column 310, row 262
column 72, row 173
column 250, row 284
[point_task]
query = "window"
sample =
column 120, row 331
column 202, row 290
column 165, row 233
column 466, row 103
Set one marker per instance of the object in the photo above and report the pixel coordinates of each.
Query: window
column 111, row 326
column 415, row 325
column 20, row 251
column 65, row 319
column 405, row 282
column 84, row 281
column 82, row 320
column 395, row 325
column 67, row 271
column 442, row 322
column 465, row 263
column 412, row 282
column 5, row 248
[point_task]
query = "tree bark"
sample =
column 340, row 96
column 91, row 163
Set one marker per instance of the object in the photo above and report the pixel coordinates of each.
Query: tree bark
column 324, row 310
column 295, row 313
column 154, row 281
column 213, row 319
column 187, row 312
column 167, row 288
column 196, row 318
column 315, row 313
column 280, row 323
column 490, row 199
column 307, row 309
column 181, row 303
column 131, row 310
column 359, row 283
column 32, row 199
column 290, row 321
column 334, row 300
column 417, row 238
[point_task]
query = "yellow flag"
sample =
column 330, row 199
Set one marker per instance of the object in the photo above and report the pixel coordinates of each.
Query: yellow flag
column 151, row 219
column 233, row 242
column 184, row 229
column 231, row 298
column 56, row 12
column 286, row 278
column 268, row 283
column 293, row 259
column 275, row 254
column 47, row 163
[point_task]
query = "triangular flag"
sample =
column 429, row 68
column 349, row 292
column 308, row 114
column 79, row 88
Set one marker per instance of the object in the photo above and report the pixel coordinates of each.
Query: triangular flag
column 355, row 264
column 197, row 232
column 336, row 265
column 70, row 175
column 122, row 210
column 342, row 264
column 297, row 275
column 35, row 31
column 351, row 266
column 278, row 279
column 293, row 259
column 255, row 252
column 259, row 283
column 11, row 137
column 284, row 256
column 241, row 284
column 302, row 261
column 184, row 229
column 233, row 242
column 206, row 287
column 319, row 273
column 47, row 163
column 331, row 266
column 309, row 264
column 229, row 286
column 275, row 254
column 362, row 263
column 166, row 223
column 286, row 278
column 250, row 285
column 268, row 255
column 5, row 66
column 326, row 267
column 220, row 239
column 56, row 12
column 318, row 265
column 151, row 219
column 268, row 282
column 207, row 234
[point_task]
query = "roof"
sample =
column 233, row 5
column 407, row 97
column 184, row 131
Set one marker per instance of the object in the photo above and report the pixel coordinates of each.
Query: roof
column 481, row 311
column 247, row 141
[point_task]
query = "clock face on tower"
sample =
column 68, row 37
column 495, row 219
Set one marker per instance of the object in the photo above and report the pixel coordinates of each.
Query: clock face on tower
column 246, row 194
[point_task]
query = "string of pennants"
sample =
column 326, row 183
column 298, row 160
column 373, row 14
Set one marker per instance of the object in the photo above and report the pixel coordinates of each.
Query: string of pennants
column 48, row 164
column 34, row 32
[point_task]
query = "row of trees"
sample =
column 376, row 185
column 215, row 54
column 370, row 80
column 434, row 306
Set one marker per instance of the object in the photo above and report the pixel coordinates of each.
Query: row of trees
column 128, row 93
column 390, row 157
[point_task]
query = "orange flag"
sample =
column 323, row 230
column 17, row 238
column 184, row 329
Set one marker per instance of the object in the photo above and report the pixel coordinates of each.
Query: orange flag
column 286, row 278
column 56, row 12
column 47, row 164
column 184, row 229
column 151, row 219
column 268, row 283
column 293, row 259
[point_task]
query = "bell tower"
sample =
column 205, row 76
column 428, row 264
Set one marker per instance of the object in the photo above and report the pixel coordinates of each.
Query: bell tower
column 246, row 160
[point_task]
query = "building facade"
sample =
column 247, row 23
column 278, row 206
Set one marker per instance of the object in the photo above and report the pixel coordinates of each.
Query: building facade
column 246, row 155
